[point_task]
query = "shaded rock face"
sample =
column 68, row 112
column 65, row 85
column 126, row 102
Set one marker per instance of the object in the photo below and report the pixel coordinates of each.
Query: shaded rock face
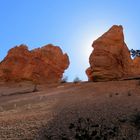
column 136, row 66
column 45, row 64
column 110, row 59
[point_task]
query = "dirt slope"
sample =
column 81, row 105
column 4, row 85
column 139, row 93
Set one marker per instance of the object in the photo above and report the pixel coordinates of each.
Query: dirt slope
column 27, row 115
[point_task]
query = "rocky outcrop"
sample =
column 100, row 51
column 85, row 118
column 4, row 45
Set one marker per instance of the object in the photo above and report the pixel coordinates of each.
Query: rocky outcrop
column 136, row 66
column 110, row 59
column 45, row 64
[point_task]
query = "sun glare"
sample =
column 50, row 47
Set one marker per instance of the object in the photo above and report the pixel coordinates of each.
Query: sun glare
column 86, row 43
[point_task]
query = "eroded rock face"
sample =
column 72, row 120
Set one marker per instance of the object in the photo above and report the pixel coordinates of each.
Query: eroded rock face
column 136, row 66
column 45, row 64
column 110, row 59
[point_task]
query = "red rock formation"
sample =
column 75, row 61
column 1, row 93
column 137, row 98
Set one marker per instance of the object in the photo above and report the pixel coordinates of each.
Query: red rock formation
column 89, row 74
column 45, row 64
column 136, row 66
column 110, row 59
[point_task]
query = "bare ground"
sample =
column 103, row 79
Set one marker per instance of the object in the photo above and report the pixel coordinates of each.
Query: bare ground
column 27, row 115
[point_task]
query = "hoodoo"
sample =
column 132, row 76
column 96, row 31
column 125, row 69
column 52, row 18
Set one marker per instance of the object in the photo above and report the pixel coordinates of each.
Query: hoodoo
column 110, row 59
column 45, row 64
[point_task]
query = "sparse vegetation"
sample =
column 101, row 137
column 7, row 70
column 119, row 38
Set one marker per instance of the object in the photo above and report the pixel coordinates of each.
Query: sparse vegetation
column 110, row 95
column 64, row 79
column 129, row 93
column 35, row 88
column 97, row 78
column 138, row 82
column 135, row 120
column 87, row 129
column 135, row 53
column 76, row 80
column 20, row 85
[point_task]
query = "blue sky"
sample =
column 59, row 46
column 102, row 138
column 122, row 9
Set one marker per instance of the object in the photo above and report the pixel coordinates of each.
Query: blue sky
column 70, row 24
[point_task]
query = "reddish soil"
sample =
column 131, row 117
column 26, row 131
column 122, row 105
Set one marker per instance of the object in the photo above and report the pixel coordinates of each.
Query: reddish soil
column 27, row 115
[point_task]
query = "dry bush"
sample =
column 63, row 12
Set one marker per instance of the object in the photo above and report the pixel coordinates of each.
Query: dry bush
column 129, row 93
column 35, row 88
column 76, row 80
column 64, row 79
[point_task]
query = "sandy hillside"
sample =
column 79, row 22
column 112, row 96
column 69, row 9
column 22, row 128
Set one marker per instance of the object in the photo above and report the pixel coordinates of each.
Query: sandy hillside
column 48, row 113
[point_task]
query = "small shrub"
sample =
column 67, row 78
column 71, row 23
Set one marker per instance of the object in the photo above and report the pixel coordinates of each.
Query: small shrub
column 110, row 95
column 85, row 129
column 135, row 120
column 135, row 53
column 76, row 80
column 122, row 120
column 116, row 93
column 64, row 79
column 20, row 85
column 129, row 93
column 136, row 109
column 35, row 88
column 97, row 78
column 138, row 82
